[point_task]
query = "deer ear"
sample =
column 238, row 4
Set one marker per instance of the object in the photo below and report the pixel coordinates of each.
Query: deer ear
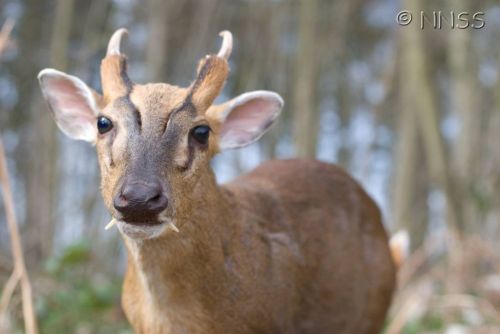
column 72, row 103
column 244, row 119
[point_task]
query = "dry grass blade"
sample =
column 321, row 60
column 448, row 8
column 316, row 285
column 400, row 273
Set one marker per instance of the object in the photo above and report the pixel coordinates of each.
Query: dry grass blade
column 20, row 272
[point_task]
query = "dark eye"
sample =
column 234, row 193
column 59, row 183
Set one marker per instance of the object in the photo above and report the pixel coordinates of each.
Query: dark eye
column 200, row 134
column 104, row 124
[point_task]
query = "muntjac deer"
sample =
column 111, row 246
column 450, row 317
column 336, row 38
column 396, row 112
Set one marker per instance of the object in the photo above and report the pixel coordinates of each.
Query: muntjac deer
column 295, row 246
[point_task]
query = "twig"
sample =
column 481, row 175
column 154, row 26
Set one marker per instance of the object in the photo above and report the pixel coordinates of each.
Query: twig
column 5, row 33
column 7, row 292
column 17, row 251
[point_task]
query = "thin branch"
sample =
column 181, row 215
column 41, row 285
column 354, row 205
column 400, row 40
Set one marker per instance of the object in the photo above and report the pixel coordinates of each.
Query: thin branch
column 17, row 251
column 5, row 33
column 8, row 291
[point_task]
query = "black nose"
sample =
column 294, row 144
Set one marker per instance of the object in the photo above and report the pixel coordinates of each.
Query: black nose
column 139, row 201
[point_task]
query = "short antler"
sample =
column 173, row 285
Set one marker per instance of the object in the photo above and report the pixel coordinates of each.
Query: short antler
column 114, row 77
column 212, row 73
column 227, row 45
column 115, row 41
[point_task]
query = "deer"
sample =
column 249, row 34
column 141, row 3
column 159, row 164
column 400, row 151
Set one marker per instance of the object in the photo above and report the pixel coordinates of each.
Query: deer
column 294, row 246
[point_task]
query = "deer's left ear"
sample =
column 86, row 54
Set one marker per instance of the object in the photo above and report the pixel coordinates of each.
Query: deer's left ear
column 73, row 104
column 244, row 119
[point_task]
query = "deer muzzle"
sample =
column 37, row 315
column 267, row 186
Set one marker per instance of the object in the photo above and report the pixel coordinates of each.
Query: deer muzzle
column 140, row 201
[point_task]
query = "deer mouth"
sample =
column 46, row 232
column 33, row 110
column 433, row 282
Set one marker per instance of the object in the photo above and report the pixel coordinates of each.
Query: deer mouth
column 142, row 223
column 143, row 229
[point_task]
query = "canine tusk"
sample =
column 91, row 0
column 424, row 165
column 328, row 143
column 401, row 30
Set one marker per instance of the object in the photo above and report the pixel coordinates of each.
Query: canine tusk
column 110, row 224
column 173, row 227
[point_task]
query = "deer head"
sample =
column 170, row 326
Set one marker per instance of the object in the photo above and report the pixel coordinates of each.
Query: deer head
column 154, row 141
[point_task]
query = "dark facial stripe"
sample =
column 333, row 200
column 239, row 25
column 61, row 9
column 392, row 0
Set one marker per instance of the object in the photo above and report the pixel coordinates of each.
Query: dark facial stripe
column 124, row 76
column 191, row 148
column 137, row 116
column 129, row 86
column 125, row 101
column 111, row 158
column 201, row 76
column 187, row 105
column 172, row 140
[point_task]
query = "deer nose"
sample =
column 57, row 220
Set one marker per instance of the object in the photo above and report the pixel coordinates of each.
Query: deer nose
column 140, row 201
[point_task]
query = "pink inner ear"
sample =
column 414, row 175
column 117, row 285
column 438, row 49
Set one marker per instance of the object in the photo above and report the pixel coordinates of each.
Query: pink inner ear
column 247, row 122
column 72, row 105
column 66, row 96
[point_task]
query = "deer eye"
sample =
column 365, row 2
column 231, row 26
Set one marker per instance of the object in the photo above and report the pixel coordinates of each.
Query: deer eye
column 200, row 134
column 104, row 124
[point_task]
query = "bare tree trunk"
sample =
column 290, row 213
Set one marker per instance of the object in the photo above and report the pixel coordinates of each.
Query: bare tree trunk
column 427, row 116
column 464, row 104
column 93, row 28
column 490, row 142
column 60, row 34
column 336, row 49
column 410, row 187
column 42, row 180
column 157, row 49
column 275, row 67
column 305, row 107
column 405, row 158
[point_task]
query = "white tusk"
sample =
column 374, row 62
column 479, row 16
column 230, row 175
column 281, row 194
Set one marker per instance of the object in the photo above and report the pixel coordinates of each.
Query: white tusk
column 227, row 44
column 173, row 227
column 110, row 224
column 114, row 42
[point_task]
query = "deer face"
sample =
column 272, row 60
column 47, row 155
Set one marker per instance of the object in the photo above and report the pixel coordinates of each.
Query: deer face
column 155, row 141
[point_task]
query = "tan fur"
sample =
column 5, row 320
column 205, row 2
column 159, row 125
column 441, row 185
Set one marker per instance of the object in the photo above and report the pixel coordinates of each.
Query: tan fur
column 213, row 115
column 399, row 245
column 295, row 246
column 208, row 86
column 112, row 69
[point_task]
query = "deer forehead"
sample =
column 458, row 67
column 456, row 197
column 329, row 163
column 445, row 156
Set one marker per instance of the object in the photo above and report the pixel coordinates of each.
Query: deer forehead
column 156, row 101
column 151, row 106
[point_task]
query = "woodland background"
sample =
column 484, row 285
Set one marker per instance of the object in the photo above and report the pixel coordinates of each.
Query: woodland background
column 413, row 114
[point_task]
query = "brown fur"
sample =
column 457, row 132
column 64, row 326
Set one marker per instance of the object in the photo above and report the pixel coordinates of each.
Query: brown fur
column 115, row 82
column 296, row 246
column 212, row 73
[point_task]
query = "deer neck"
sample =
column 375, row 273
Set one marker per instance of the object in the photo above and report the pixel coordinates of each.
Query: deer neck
column 184, row 268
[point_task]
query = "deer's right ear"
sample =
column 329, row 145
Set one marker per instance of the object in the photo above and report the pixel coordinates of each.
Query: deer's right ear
column 244, row 119
column 72, row 103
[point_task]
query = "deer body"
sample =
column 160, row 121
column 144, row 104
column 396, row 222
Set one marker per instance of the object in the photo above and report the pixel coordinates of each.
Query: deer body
column 295, row 246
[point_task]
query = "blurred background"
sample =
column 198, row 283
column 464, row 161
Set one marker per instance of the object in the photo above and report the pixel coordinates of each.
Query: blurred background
column 413, row 113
